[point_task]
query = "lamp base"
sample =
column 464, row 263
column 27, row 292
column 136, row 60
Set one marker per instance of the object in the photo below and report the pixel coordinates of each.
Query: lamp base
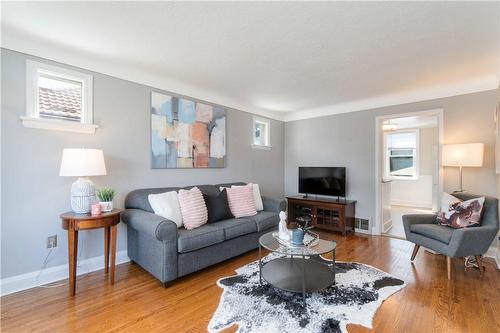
column 82, row 195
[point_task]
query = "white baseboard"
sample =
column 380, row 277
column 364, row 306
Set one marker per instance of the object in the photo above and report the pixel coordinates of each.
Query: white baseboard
column 52, row 274
column 360, row 231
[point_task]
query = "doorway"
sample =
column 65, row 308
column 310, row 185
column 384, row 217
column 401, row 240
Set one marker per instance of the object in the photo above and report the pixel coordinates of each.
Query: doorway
column 409, row 176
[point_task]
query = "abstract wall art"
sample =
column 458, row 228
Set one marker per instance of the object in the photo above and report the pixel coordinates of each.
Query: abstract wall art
column 186, row 133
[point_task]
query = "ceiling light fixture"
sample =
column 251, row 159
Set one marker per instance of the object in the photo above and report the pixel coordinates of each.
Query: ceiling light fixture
column 388, row 126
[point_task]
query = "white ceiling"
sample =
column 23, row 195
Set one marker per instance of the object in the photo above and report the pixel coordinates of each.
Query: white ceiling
column 288, row 61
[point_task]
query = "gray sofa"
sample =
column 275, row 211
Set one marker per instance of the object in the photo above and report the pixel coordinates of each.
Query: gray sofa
column 159, row 247
column 422, row 230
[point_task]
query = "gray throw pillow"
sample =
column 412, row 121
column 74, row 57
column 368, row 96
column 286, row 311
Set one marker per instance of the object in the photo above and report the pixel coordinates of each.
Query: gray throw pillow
column 218, row 207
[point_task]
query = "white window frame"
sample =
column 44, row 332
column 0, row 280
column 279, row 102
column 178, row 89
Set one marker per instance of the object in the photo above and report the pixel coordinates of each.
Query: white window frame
column 267, row 123
column 33, row 119
column 416, row 157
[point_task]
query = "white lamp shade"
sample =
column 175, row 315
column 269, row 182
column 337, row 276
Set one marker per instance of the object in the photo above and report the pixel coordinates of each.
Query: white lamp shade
column 82, row 163
column 465, row 155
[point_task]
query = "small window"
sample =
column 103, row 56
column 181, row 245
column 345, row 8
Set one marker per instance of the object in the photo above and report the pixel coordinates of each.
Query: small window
column 261, row 133
column 401, row 150
column 58, row 98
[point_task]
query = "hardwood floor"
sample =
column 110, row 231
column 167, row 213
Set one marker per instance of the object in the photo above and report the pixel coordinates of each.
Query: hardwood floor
column 139, row 303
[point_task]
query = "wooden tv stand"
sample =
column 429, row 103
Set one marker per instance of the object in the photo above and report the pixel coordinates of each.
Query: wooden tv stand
column 329, row 214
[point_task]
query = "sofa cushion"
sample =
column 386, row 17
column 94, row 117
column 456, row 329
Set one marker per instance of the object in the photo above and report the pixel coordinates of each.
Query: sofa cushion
column 434, row 231
column 265, row 220
column 237, row 227
column 206, row 235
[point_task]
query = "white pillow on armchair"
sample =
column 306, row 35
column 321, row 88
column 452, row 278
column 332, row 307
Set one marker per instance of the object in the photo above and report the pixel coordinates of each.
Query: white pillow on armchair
column 457, row 214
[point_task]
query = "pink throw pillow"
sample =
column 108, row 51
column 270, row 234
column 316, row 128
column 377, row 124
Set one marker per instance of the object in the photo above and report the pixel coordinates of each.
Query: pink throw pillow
column 193, row 209
column 241, row 201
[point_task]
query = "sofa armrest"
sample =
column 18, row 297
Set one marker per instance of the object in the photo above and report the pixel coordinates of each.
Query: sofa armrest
column 472, row 241
column 152, row 224
column 410, row 219
column 274, row 205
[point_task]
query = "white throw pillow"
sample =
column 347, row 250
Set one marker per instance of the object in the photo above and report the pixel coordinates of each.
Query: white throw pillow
column 167, row 205
column 257, row 198
column 447, row 202
column 259, row 205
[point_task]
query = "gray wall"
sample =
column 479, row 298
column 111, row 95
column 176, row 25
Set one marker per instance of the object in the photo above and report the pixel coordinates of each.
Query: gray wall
column 420, row 192
column 33, row 194
column 497, row 239
column 349, row 140
column 429, row 138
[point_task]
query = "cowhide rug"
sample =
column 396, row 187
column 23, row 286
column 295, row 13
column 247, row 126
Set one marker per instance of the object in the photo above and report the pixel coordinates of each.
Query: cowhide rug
column 360, row 289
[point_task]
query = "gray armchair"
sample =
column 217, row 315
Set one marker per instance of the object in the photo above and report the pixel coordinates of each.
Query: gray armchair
column 423, row 230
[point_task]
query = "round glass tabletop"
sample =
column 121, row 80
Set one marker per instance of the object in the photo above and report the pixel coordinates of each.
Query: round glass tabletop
column 269, row 242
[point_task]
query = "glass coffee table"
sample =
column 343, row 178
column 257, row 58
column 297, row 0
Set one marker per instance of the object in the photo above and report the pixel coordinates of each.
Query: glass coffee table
column 301, row 269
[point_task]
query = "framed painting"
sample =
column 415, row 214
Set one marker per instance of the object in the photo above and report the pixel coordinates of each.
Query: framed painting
column 186, row 133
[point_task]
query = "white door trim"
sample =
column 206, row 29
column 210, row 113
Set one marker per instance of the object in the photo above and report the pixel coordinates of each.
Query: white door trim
column 377, row 227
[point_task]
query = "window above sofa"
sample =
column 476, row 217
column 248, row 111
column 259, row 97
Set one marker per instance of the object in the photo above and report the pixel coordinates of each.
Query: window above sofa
column 261, row 135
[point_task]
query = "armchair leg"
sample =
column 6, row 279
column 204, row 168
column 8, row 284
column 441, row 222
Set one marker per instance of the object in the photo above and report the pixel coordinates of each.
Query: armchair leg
column 448, row 267
column 479, row 261
column 414, row 253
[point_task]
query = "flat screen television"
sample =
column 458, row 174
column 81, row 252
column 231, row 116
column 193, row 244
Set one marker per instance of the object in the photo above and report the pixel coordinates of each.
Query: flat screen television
column 322, row 180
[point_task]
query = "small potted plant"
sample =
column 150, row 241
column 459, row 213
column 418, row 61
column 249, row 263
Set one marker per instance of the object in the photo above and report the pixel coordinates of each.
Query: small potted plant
column 106, row 195
column 302, row 226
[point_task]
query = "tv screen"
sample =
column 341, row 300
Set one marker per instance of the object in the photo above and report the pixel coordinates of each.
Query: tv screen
column 322, row 180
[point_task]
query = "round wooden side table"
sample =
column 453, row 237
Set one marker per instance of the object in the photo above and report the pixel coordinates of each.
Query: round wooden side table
column 75, row 222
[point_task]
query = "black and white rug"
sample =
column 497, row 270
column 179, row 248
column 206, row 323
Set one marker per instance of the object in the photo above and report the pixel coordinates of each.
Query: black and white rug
column 256, row 308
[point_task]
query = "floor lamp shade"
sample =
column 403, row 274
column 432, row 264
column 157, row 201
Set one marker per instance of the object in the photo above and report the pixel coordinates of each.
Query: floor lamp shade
column 463, row 155
column 82, row 163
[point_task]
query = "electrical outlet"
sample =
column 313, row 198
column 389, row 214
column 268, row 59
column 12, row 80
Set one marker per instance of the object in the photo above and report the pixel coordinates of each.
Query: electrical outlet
column 52, row 241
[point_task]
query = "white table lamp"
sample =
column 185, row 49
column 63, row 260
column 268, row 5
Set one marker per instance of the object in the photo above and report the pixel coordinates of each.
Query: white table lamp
column 82, row 163
column 463, row 155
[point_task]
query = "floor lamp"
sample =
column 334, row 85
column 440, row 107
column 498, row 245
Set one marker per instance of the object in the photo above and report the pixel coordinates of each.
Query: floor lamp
column 463, row 155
